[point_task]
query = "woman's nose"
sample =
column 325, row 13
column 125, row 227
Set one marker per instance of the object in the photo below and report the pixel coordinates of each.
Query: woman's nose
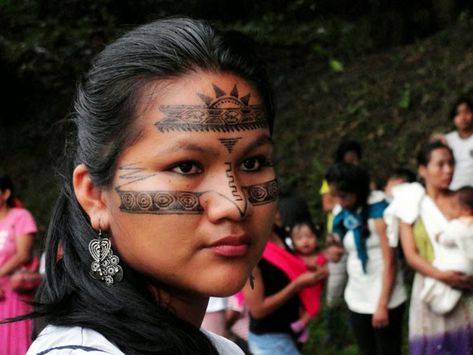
column 226, row 199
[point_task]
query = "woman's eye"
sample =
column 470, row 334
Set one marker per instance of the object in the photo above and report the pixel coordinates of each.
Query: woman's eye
column 187, row 168
column 254, row 164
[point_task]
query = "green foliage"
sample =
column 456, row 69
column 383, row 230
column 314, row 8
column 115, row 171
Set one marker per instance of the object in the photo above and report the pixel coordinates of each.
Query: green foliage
column 405, row 100
column 336, row 65
column 339, row 71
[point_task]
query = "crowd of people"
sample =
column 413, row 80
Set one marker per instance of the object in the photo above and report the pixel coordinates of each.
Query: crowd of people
column 169, row 235
column 424, row 220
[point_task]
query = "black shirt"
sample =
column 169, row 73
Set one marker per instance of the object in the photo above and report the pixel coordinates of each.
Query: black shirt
column 279, row 321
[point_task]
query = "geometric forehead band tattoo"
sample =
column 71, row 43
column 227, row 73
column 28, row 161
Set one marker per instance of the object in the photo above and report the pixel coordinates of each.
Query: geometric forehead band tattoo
column 189, row 202
column 224, row 113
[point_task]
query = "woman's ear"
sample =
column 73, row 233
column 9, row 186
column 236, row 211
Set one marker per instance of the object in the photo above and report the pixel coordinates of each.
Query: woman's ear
column 421, row 171
column 90, row 197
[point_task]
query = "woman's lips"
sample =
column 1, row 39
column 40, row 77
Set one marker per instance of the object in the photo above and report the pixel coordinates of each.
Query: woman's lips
column 231, row 246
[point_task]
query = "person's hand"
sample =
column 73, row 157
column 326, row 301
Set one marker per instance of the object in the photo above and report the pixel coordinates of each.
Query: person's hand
column 334, row 253
column 332, row 239
column 457, row 279
column 438, row 137
column 310, row 278
column 380, row 318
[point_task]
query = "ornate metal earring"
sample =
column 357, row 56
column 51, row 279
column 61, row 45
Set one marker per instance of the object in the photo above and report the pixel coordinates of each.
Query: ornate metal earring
column 252, row 281
column 105, row 265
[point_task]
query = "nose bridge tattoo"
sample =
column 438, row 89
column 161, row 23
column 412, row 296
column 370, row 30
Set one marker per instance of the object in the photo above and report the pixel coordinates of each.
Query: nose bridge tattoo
column 224, row 113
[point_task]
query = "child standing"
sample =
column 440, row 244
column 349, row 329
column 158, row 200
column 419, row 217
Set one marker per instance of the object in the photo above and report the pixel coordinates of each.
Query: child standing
column 304, row 241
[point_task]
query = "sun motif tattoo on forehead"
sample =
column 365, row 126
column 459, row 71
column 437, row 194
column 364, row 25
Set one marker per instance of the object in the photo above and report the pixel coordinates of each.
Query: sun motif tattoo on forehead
column 222, row 113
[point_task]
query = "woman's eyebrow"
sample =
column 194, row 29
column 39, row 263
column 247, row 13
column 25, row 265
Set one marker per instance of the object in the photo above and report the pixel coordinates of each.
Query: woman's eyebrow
column 188, row 146
column 264, row 139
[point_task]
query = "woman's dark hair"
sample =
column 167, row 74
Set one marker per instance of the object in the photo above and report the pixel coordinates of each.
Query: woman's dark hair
column 313, row 228
column 465, row 196
column 403, row 173
column 293, row 210
column 7, row 184
column 345, row 147
column 104, row 111
column 350, row 178
column 460, row 101
column 425, row 152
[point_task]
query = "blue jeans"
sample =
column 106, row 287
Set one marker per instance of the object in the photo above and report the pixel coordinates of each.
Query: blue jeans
column 272, row 344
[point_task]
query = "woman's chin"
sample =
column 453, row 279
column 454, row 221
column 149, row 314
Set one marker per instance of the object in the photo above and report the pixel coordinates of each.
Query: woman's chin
column 227, row 286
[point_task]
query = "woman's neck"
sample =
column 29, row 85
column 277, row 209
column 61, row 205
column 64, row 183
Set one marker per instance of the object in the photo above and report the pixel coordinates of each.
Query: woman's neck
column 4, row 211
column 465, row 133
column 436, row 193
column 275, row 239
column 190, row 308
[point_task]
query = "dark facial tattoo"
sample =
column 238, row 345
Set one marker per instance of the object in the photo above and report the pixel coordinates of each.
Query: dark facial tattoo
column 223, row 113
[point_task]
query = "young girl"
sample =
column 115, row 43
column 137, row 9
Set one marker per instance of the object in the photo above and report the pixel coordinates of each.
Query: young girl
column 168, row 197
column 375, row 292
column 304, row 242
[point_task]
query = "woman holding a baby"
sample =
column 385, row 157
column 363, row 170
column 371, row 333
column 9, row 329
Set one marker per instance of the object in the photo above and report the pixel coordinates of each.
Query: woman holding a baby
column 441, row 310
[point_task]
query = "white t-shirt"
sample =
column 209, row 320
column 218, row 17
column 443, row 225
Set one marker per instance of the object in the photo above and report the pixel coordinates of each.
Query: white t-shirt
column 54, row 340
column 463, row 153
column 455, row 247
column 363, row 291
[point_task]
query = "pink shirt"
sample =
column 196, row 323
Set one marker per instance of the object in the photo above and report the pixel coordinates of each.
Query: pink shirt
column 16, row 223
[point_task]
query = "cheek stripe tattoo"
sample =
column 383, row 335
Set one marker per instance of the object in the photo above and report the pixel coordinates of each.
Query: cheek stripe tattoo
column 187, row 202
column 264, row 193
column 160, row 202
column 224, row 113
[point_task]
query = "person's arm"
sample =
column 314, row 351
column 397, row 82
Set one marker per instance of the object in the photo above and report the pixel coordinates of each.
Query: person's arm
column 334, row 253
column 231, row 316
column 380, row 317
column 418, row 263
column 261, row 306
column 24, row 247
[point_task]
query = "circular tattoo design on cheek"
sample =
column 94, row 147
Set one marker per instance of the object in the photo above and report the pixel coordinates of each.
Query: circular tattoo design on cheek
column 163, row 200
column 258, row 193
column 188, row 201
column 145, row 200
column 128, row 200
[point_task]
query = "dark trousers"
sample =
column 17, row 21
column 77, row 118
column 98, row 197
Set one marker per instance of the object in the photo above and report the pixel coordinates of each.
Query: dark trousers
column 378, row 341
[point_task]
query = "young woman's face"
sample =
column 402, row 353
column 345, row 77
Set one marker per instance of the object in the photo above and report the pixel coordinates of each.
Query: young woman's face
column 344, row 199
column 193, row 199
column 304, row 240
column 438, row 172
column 463, row 120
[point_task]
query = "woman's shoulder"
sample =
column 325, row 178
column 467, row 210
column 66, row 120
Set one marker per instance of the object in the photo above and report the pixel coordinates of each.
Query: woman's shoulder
column 223, row 345
column 18, row 213
column 56, row 340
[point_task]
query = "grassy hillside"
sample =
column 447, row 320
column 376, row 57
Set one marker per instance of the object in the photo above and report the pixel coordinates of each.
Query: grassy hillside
column 390, row 101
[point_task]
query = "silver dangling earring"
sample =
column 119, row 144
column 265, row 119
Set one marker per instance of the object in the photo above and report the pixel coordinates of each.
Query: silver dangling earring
column 105, row 265
column 252, row 281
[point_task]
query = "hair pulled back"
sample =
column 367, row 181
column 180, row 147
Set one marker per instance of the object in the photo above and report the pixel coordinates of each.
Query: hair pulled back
column 350, row 178
column 425, row 151
column 104, row 110
column 7, row 184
